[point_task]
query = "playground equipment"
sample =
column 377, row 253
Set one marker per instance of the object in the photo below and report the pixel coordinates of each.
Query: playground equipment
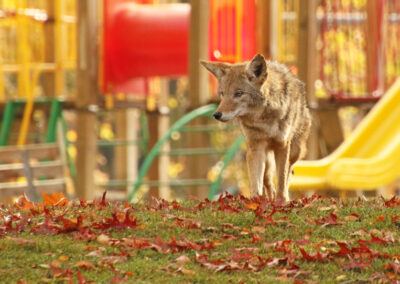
column 142, row 41
column 214, row 185
column 33, row 169
column 367, row 160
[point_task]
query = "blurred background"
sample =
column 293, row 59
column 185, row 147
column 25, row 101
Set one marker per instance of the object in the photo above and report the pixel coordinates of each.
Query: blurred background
column 109, row 95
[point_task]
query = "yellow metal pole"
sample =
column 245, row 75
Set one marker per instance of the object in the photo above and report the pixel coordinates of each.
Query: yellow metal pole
column 58, row 48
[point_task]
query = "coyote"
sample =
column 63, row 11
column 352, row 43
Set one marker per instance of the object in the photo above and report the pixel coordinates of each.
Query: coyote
column 270, row 105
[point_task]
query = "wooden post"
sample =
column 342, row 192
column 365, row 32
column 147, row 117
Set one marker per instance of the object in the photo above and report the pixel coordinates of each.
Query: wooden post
column 198, row 49
column 49, row 30
column 307, row 64
column 87, row 96
column 198, row 88
column 375, row 50
column 263, row 27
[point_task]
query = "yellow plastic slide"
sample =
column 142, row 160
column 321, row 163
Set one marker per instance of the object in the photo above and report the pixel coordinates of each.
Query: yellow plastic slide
column 368, row 159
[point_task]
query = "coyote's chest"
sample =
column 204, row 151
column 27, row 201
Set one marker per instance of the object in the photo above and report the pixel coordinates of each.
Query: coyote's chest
column 269, row 130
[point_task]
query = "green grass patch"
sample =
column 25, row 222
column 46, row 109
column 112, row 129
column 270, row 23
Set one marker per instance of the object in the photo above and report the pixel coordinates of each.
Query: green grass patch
column 232, row 240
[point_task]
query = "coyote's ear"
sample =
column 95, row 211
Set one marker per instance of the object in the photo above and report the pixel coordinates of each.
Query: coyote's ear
column 218, row 69
column 257, row 69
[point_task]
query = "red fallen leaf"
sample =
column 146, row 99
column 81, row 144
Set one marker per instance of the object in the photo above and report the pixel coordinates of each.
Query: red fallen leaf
column 255, row 238
column 332, row 219
column 103, row 199
column 283, row 246
column 395, row 266
column 393, row 202
column 117, row 278
column 189, row 222
column 269, row 219
column 238, row 256
column 228, row 237
column 357, row 265
column 23, row 203
column 303, row 242
column 116, row 222
column 47, row 227
column 344, row 250
column 313, row 257
column 84, row 234
column 377, row 240
column 202, row 258
column 227, row 207
column 81, row 279
column 395, row 219
column 70, row 225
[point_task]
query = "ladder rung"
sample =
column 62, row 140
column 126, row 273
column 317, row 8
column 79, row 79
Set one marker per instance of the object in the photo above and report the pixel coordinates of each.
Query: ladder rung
column 194, row 151
column 181, row 183
column 207, row 128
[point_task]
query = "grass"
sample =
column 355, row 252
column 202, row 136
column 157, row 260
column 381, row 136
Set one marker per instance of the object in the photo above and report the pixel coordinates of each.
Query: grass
column 233, row 240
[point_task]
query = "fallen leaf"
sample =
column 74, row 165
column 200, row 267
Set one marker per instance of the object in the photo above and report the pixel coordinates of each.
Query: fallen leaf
column 182, row 259
column 252, row 206
column 380, row 218
column 258, row 229
column 63, row 258
column 103, row 239
column 56, row 263
column 22, row 241
column 185, row 271
column 86, row 265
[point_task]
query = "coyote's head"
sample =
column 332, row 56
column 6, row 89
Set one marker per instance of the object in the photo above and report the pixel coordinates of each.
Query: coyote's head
column 239, row 86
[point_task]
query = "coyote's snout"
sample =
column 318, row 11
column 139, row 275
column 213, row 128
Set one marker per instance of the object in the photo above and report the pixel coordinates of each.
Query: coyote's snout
column 270, row 104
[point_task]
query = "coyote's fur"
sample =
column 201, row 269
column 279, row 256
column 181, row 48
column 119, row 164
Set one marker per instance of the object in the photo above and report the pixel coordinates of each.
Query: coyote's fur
column 270, row 105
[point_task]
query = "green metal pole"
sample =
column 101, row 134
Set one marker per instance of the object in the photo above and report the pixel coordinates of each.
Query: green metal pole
column 229, row 156
column 55, row 114
column 202, row 111
column 7, row 123
column 144, row 129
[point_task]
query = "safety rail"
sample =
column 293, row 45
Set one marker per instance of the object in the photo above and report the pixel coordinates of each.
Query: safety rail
column 156, row 150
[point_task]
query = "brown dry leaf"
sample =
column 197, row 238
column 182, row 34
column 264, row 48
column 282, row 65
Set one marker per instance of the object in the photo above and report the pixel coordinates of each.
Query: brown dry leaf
column 245, row 231
column 22, row 281
column 361, row 232
column 185, row 271
column 103, row 239
column 258, row 229
column 113, row 259
column 63, row 258
column 327, row 208
column 182, row 259
column 43, row 265
column 86, row 265
column 22, row 241
column 97, row 252
column 56, row 263
column 350, row 218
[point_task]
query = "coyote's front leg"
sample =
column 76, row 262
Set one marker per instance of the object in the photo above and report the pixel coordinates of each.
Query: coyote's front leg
column 269, row 186
column 256, row 165
column 282, row 168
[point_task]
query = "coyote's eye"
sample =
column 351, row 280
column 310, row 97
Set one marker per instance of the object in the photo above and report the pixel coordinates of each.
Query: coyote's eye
column 238, row 94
